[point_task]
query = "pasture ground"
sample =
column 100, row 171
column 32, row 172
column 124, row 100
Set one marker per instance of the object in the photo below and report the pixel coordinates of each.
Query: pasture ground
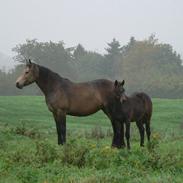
column 29, row 152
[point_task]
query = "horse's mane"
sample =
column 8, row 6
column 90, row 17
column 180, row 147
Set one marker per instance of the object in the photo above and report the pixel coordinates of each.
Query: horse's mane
column 46, row 73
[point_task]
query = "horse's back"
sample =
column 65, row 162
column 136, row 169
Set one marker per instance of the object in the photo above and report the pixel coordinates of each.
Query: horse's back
column 101, row 87
column 88, row 97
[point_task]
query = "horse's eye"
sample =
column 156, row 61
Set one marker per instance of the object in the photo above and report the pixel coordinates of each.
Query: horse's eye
column 26, row 72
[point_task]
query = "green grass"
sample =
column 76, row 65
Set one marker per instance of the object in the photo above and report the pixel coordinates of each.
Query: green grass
column 29, row 150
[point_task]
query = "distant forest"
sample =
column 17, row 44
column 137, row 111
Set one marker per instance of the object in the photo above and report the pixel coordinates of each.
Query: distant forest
column 146, row 65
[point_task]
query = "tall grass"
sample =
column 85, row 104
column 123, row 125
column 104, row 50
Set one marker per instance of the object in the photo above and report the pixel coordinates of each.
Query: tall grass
column 29, row 152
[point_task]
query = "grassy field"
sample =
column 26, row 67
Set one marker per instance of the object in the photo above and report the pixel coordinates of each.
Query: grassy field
column 29, row 152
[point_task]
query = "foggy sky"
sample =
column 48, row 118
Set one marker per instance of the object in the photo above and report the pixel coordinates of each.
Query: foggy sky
column 92, row 23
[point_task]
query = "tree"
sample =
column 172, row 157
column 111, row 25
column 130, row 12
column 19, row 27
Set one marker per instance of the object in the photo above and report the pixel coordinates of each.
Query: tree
column 52, row 55
column 146, row 65
column 79, row 52
column 91, row 66
column 113, row 59
column 152, row 67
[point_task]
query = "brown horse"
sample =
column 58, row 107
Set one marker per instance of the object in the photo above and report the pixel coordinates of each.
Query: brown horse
column 65, row 97
column 137, row 107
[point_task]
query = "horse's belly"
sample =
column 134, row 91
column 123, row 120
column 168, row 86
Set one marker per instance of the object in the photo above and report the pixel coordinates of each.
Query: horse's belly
column 83, row 110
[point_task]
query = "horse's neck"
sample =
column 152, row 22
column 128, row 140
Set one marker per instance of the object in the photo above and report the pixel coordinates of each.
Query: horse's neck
column 46, row 80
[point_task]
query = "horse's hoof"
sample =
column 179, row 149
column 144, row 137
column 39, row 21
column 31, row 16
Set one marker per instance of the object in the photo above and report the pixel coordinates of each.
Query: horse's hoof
column 123, row 146
column 116, row 146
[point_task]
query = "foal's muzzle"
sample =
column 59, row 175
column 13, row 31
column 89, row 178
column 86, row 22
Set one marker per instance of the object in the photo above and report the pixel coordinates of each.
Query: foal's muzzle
column 123, row 99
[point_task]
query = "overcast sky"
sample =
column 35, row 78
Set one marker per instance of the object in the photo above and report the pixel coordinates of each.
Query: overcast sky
column 92, row 23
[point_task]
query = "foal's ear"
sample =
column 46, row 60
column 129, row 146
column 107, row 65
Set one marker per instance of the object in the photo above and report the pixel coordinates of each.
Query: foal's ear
column 123, row 82
column 116, row 83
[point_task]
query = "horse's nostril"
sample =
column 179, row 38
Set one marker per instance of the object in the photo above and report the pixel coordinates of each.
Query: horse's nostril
column 17, row 85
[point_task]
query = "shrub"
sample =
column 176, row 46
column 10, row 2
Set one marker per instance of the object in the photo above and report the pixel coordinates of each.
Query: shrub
column 24, row 131
column 74, row 154
column 96, row 133
column 27, row 175
column 154, row 143
column 20, row 156
column 45, row 152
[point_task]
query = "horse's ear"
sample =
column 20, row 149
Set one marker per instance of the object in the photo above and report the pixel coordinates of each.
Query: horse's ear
column 116, row 83
column 30, row 61
column 26, row 61
column 123, row 82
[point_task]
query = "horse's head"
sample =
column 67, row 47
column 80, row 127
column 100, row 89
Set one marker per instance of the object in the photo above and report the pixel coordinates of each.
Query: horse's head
column 120, row 91
column 29, row 75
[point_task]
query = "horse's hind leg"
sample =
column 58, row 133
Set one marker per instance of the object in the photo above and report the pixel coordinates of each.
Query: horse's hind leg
column 141, row 131
column 148, row 130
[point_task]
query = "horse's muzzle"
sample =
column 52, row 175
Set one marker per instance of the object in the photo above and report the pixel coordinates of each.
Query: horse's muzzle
column 18, row 85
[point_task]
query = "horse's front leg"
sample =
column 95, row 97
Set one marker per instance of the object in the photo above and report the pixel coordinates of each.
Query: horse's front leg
column 60, row 120
column 122, row 134
column 117, row 140
column 127, row 133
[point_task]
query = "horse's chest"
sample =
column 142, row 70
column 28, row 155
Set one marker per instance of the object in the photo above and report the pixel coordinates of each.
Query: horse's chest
column 55, row 102
column 50, row 104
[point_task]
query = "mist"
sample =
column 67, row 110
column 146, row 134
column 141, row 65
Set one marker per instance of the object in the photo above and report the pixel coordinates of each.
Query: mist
column 139, row 41
column 91, row 23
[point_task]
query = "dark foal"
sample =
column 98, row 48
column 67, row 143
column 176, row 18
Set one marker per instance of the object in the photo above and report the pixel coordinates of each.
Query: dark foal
column 137, row 107
column 65, row 97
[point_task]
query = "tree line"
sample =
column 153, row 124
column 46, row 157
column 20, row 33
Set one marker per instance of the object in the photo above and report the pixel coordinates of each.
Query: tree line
column 146, row 65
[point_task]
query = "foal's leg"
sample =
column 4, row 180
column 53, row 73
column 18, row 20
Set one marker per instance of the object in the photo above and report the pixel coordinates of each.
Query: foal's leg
column 141, row 131
column 127, row 134
column 148, row 130
column 60, row 120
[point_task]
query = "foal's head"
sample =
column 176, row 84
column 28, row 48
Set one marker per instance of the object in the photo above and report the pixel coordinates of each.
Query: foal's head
column 120, row 91
column 29, row 75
